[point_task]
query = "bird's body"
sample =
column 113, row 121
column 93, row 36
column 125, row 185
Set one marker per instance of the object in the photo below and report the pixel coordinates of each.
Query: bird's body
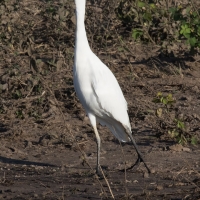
column 100, row 94
column 97, row 88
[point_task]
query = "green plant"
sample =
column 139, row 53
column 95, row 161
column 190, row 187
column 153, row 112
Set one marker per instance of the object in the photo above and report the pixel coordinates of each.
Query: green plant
column 180, row 134
column 37, row 89
column 161, row 24
column 137, row 33
column 19, row 114
column 178, row 131
column 189, row 23
column 166, row 100
column 35, row 114
column 17, row 94
column 175, row 126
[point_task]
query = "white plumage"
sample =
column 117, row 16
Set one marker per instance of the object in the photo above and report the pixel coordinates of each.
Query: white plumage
column 98, row 89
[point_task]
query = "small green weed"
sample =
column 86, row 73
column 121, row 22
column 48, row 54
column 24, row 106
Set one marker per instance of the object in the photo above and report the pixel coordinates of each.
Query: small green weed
column 35, row 114
column 166, row 100
column 176, row 127
column 19, row 114
column 17, row 94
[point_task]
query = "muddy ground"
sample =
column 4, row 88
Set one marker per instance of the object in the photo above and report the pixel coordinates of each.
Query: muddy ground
column 47, row 146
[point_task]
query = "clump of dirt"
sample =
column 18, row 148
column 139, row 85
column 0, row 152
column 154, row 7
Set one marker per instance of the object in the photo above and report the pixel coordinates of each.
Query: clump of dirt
column 46, row 138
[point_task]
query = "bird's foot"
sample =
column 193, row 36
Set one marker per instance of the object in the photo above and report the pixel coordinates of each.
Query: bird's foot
column 137, row 163
column 100, row 173
column 142, row 160
column 149, row 171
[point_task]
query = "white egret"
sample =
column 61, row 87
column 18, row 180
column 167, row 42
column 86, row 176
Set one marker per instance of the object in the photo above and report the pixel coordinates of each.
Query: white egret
column 98, row 89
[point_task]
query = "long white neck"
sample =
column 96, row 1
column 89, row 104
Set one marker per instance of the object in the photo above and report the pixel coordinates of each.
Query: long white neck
column 81, row 43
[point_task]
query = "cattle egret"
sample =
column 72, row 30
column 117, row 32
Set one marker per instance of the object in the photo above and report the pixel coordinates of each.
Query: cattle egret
column 98, row 89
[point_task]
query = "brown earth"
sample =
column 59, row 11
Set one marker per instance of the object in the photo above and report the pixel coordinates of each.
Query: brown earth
column 47, row 146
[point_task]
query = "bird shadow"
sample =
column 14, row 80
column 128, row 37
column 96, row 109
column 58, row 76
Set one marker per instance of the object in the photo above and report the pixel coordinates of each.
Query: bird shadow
column 23, row 162
column 168, row 63
column 146, row 138
column 4, row 130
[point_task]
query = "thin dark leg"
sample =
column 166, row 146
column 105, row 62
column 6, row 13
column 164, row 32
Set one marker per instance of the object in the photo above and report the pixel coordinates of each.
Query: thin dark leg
column 140, row 157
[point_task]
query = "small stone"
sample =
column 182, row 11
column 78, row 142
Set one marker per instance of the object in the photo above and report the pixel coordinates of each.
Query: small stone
column 85, row 136
column 196, row 116
column 77, row 129
column 180, row 116
column 195, row 89
column 152, row 171
column 35, row 195
column 159, row 187
column 186, row 149
column 189, row 98
column 73, row 19
column 146, row 175
column 165, row 148
column 176, row 147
